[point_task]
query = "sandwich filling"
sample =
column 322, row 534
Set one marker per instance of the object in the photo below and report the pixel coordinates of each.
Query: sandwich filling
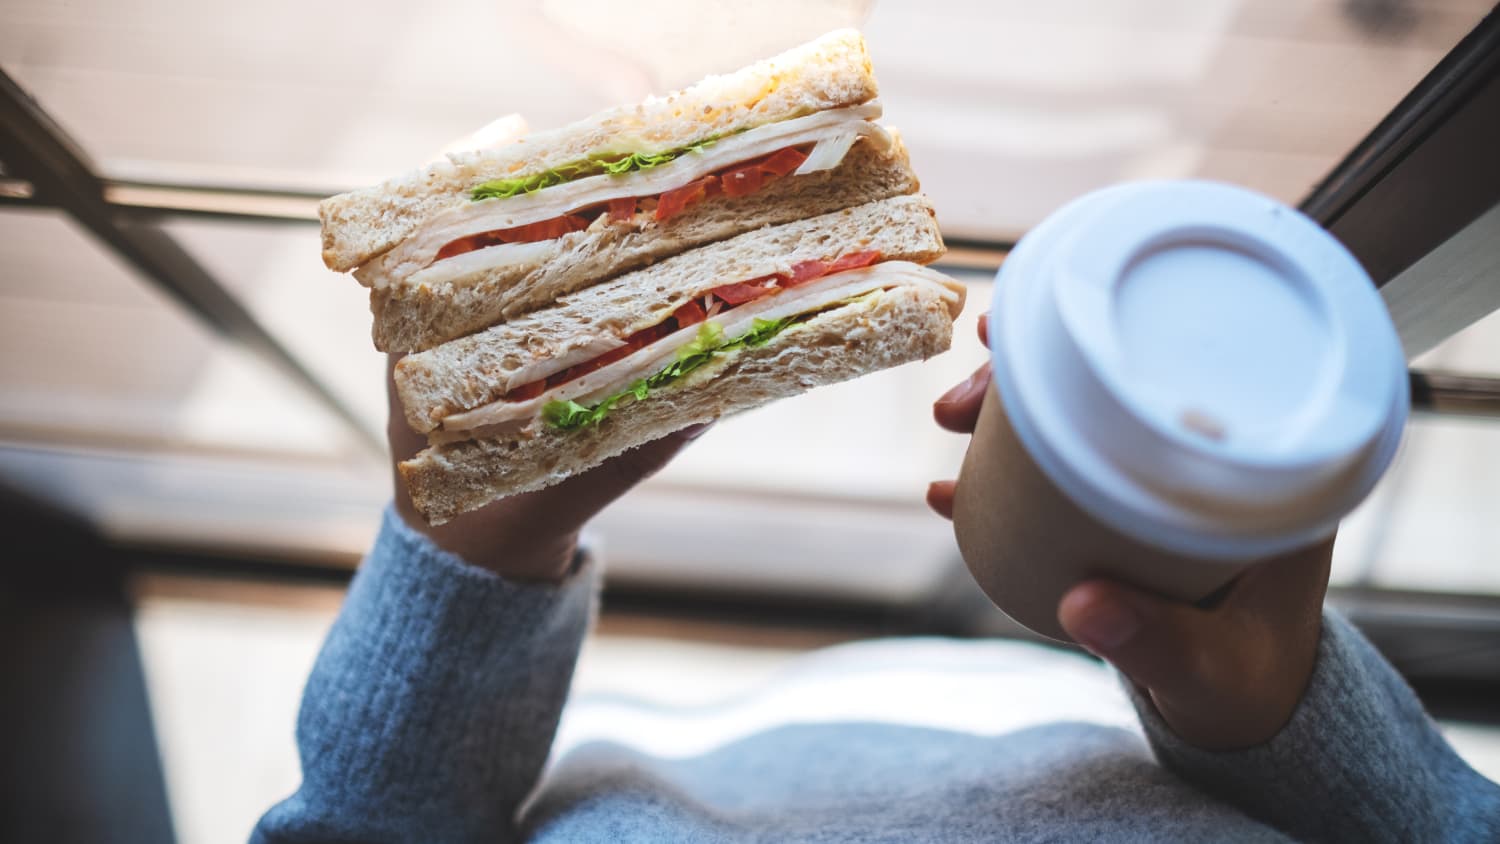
column 734, row 181
column 711, row 324
column 507, row 216
column 613, row 165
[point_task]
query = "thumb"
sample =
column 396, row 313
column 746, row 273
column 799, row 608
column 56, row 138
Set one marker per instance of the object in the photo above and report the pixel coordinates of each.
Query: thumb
column 1153, row 641
column 1198, row 666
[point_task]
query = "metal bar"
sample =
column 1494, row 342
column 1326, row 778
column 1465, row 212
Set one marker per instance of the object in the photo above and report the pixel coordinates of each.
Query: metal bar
column 222, row 203
column 143, row 200
column 139, row 200
column 1427, row 169
column 36, row 149
column 975, row 254
column 1429, row 636
column 1449, row 289
column 150, row 201
column 1451, row 393
column 153, row 201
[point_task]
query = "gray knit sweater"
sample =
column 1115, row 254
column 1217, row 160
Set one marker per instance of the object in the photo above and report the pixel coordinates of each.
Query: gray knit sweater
column 429, row 715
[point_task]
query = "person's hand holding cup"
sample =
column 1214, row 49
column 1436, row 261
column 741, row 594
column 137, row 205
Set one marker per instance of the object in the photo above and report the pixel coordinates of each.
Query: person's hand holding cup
column 1188, row 386
column 1224, row 675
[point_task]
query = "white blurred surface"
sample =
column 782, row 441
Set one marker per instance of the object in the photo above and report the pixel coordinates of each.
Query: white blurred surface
column 225, row 680
column 631, row 691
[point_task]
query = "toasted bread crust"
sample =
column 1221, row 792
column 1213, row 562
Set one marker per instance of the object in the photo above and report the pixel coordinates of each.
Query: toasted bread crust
column 831, row 72
column 896, row 327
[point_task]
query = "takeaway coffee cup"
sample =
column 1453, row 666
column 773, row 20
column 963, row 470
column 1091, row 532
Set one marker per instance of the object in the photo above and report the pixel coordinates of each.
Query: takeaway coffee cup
column 1189, row 377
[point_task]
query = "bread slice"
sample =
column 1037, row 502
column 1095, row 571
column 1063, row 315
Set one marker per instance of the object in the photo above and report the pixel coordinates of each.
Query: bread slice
column 831, row 72
column 471, row 371
column 412, row 317
column 891, row 328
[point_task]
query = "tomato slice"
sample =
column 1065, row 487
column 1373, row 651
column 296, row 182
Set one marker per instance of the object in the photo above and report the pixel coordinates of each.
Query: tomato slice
column 743, row 181
column 462, row 245
column 854, row 260
column 783, row 161
column 693, row 312
column 529, row 233
column 527, row 391
column 548, row 229
column 739, row 294
column 622, row 209
column 635, row 342
column 690, row 314
column 739, row 181
column 581, row 369
column 677, row 200
column 803, row 272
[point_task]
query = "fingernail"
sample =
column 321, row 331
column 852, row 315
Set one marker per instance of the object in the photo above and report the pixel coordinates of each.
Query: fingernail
column 1107, row 626
column 693, row 432
column 965, row 390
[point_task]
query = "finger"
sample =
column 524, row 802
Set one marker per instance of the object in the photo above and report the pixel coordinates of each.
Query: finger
column 958, row 409
column 1144, row 636
column 984, row 329
column 940, row 497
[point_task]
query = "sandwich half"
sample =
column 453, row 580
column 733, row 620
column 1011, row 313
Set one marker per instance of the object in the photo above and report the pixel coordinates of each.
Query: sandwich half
column 710, row 332
column 482, row 237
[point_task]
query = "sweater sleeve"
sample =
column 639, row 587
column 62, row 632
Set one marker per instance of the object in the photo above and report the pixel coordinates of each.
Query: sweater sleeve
column 432, row 706
column 1359, row 760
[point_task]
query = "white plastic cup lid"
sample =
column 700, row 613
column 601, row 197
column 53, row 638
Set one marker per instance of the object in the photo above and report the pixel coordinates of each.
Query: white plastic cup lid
column 1199, row 367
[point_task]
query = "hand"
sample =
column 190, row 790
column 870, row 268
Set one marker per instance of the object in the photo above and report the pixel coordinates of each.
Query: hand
column 1223, row 674
column 531, row 536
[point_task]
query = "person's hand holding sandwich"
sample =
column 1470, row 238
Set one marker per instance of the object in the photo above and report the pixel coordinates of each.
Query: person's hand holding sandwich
column 531, row 536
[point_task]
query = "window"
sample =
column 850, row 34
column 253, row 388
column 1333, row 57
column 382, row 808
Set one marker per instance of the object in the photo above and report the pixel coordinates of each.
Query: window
column 222, row 126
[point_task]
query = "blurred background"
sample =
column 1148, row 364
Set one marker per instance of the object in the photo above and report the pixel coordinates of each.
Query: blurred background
column 191, row 411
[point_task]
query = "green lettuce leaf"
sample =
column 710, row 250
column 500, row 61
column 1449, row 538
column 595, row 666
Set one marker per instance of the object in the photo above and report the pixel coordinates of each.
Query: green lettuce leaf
column 710, row 343
column 504, row 188
column 761, row 333
column 710, row 337
column 567, row 415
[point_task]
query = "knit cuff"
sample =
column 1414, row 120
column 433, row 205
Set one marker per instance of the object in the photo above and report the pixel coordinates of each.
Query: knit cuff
column 1358, row 760
column 441, row 683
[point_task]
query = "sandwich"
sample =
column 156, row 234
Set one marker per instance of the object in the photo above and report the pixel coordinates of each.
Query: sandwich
column 566, row 297
column 481, row 237
column 720, row 329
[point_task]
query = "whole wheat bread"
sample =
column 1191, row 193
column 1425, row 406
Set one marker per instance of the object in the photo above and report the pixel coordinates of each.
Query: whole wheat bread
column 831, row 72
column 895, row 327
